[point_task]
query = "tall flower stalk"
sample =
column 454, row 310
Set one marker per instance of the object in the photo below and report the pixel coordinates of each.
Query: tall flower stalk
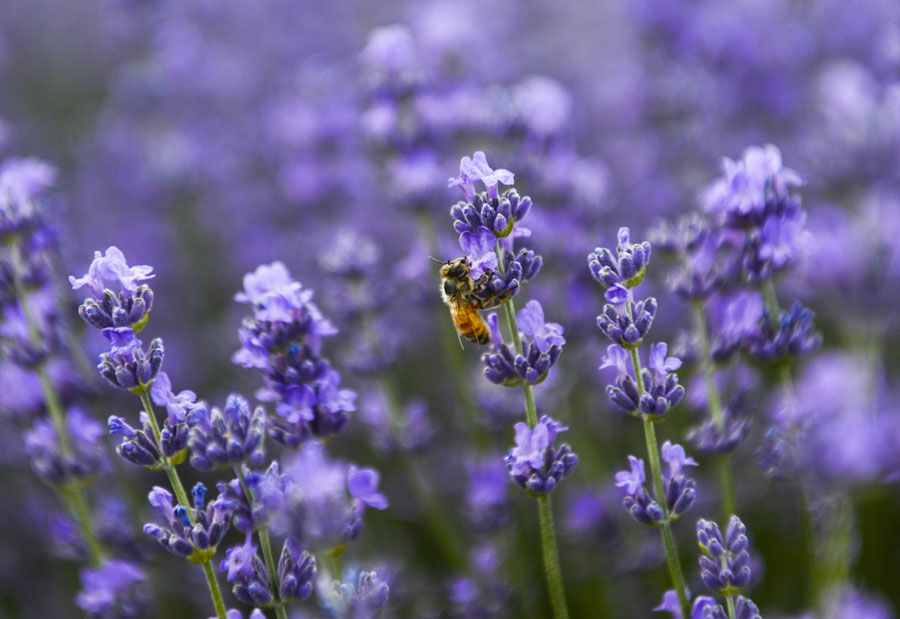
column 488, row 224
column 648, row 394
column 120, row 315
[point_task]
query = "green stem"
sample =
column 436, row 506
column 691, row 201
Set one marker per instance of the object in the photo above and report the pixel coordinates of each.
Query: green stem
column 214, row 590
column 182, row 498
column 266, row 545
column 656, row 473
column 70, row 492
column 730, row 601
column 552, row 569
column 714, row 402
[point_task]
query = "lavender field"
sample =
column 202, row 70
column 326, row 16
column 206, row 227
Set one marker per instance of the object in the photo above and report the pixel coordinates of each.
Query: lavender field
column 450, row 309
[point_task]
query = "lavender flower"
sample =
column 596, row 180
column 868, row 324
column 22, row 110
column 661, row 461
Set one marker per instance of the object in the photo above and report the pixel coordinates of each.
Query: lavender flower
column 196, row 542
column 706, row 607
column 627, row 268
column 139, row 446
column 296, row 572
column 662, row 391
column 476, row 168
column 47, row 460
column 542, row 344
column 248, row 573
column 226, row 437
column 324, row 500
column 725, row 564
column 111, row 268
column 753, row 187
column 680, row 491
column 284, row 340
column 362, row 599
column 127, row 365
column 114, row 589
column 268, row 489
column 534, row 463
column 792, row 335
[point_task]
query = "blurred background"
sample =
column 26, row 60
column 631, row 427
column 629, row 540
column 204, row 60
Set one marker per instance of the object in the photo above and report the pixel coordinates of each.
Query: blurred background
column 205, row 138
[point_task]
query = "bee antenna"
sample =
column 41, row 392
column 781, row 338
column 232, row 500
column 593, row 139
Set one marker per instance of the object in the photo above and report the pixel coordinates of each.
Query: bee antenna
column 436, row 260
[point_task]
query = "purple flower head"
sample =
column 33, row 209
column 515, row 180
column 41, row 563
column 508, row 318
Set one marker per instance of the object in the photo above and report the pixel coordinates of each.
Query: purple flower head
column 363, row 486
column 190, row 532
column 479, row 249
column 247, row 573
column 111, row 268
column 364, row 598
column 751, row 186
column 128, row 366
column 22, row 180
column 725, row 563
column 296, row 572
column 239, row 560
column 531, row 323
column 676, row 458
column 783, row 238
column 114, row 589
column 319, row 510
column 625, row 267
column 477, row 169
column 616, row 357
column 661, row 364
column 533, row 463
column 140, row 447
column 632, row 480
column 269, row 490
column 226, row 437
column 42, row 448
column 177, row 406
column 275, row 295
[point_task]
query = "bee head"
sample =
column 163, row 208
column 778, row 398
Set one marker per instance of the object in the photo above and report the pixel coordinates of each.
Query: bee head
column 455, row 268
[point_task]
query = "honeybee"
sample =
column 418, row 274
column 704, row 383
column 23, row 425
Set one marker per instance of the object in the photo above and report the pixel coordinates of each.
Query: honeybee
column 461, row 294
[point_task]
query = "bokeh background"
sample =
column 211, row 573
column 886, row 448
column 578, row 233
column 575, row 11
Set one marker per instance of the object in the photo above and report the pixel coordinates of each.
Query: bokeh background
column 204, row 138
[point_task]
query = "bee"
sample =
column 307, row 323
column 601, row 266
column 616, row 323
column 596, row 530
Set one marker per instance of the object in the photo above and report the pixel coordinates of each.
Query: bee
column 461, row 294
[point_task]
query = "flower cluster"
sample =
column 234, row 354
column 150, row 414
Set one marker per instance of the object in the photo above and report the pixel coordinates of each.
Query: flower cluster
column 541, row 345
column 283, row 340
column 778, row 340
column 190, row 532
column 486, row 223
column 661, row 388
column 535, row 463
column 680, row 490
column 226, row 437
column 724, row 569
column 140, row 447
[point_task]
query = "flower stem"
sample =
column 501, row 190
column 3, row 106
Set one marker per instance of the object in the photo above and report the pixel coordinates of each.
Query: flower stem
column 714, row 403
column 181, row 496
column 656, row 472
column 214, row 590
column 552, row 570
column 730, row 601
column 70, row 492
column 266, row 545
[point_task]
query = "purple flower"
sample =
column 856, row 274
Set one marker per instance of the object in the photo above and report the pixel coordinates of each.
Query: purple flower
column 195, row 541
column 532, row 463
column 479, row 249
column 632, row 480
column 616, row 357
column 363, row 486
column 671, row 604
column 531, row 323
column 749, row 184
column 111, row 268
column 661, row 364
column 477, row 169
column 274, row 294
column 617, row 294
column 177, row 406
column 239, row 560
column 122, row 340
column 676, row 458
column 226, row 437
column 112, row 590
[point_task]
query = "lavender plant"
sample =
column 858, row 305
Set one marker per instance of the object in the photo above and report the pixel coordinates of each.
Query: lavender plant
column 645, row 393
column 487, row 224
